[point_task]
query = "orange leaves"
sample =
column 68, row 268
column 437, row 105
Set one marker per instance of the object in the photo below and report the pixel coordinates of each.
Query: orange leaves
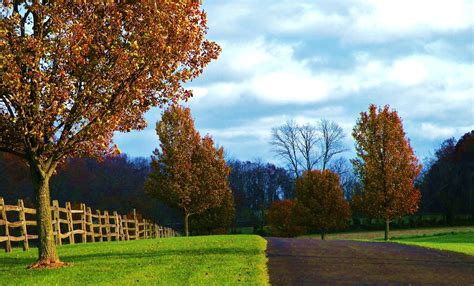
column 188, row 172
column 321, row 203
column 85, row 71
column 386, row 165
column 283, row 219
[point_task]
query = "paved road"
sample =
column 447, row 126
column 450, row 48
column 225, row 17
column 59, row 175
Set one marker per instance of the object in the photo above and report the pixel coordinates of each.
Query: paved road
column 343, row 262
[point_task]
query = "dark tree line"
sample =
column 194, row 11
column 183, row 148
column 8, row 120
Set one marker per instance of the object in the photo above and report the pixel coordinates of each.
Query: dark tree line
column 447, row 185
column 116, row 183
column 255, row 186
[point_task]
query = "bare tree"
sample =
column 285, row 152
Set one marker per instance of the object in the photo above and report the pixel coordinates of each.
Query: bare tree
column 307, row 145
column 332, row 140
column 285, row 144
column 347, row 178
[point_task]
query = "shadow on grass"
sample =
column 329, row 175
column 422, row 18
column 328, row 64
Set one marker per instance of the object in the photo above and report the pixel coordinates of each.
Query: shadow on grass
column 22, row 261
column 162, row 253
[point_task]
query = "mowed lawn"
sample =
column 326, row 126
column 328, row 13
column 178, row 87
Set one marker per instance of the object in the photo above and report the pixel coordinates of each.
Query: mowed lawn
column 458, row 242
column 203, row 260
column 370, row 235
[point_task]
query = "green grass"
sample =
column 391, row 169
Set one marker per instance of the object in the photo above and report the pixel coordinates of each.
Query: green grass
column 204, row 260
column 462, row 242
column 371, row 235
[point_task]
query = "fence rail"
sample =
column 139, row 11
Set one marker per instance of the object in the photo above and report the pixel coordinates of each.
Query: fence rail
column 69, row 223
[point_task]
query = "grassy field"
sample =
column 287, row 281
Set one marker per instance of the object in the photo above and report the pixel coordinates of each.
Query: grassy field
column 204, row 260
column 370, row 235
column 462, row 242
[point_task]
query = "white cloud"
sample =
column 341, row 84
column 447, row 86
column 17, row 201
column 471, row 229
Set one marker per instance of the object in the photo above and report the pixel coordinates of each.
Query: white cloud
column 351, row 20
column 272, row 74
column 433, row 131
column 380, row 20
column 283, row 87
column 408, row 72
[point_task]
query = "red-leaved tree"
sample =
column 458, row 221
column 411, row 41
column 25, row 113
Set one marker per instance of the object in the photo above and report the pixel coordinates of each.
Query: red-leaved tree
column 386, row 166
column 283, row 220
column 321, row 203
column 188, row 172
column 74, row 72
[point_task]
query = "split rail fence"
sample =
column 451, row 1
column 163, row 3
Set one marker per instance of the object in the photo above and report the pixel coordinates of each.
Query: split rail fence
column 68, row 223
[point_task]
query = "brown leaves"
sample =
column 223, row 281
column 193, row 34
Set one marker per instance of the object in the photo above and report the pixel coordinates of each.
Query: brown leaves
column 189, row 173
column 321, row 203
column 283, row 219
column 81, row 71
column 386, row 165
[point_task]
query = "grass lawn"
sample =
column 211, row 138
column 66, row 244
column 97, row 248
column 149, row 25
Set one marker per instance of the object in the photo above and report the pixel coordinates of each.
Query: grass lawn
column 458, row 242
column 203, row 260
column 370, row 235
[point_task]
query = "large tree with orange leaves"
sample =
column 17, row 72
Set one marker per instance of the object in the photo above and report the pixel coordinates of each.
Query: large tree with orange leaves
column 320, row 201
column 74, row 72
column 386, row 166
column 188, row 172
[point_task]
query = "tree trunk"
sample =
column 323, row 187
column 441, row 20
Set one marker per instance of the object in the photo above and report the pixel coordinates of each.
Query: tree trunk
column 48, row 256
column 186, row 224
column 323, row 235
column 387, row 229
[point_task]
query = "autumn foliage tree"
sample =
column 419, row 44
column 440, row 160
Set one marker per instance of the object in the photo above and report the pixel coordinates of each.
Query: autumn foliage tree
column 74, row 72
column 188, row 172
column 385, row 165
column 283, row 220
column 320, row 201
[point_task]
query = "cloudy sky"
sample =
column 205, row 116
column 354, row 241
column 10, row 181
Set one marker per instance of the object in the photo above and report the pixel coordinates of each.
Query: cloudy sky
column 306, row 60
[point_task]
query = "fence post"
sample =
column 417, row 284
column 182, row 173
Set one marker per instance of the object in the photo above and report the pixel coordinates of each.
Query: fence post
column 91, row 224
column 57, row 224
column 83, row 223
column 69, row 223
column 125, row 227
column 118, row 227
column 8, row 244
column 146, row 228
column 107, row 224
column 24, row 230
column 100, row 225
column 137, row 227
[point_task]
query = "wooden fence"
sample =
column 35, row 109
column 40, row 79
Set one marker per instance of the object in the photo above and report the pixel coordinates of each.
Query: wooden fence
column 69, row 223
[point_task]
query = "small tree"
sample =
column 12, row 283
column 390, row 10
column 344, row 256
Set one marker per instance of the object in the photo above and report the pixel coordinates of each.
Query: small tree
column 385, row 165
column 321, row 202
column 188, row 173
column 74, row 72
column 282, row 218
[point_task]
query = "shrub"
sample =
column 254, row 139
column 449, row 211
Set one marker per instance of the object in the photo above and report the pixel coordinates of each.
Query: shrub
column 281, row 217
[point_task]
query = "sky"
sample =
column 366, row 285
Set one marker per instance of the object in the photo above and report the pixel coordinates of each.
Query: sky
column 307, row 60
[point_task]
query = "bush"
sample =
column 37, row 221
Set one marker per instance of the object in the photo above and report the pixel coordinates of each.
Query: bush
column 282, row 219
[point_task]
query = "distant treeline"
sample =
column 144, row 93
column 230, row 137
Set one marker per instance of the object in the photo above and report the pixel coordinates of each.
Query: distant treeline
column 116, row 184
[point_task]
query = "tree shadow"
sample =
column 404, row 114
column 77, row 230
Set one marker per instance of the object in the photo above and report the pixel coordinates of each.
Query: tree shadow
column 161, row 253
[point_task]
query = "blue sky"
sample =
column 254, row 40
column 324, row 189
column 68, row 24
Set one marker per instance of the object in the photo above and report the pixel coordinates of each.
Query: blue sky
column 306, row 60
